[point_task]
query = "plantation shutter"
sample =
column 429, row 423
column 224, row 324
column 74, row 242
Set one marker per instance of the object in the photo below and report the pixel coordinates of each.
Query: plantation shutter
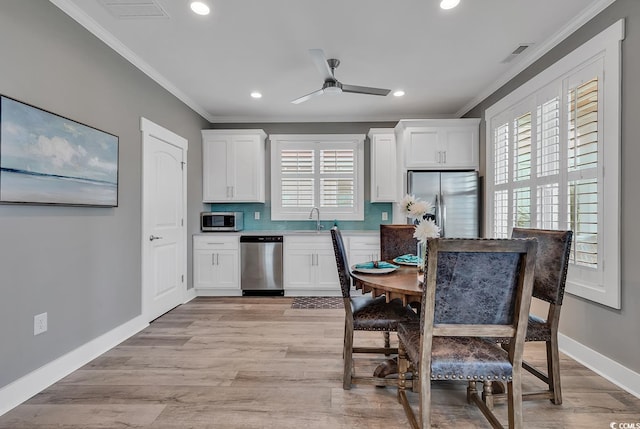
column 548, row 164
column 501, row 178
column 317, row 170
column 337, row 180
column 551, row 174
column 522, row 147
column 582, row 103
column 297, row 171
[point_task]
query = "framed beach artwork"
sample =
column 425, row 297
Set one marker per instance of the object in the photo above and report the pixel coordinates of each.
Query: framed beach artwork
column 48, row 159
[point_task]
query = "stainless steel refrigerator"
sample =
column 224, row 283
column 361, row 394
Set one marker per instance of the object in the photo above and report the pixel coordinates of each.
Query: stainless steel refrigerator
column 454, row 196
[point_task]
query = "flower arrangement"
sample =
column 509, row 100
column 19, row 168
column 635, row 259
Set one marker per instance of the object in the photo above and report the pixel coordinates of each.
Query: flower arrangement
column 414, row 208
column 418, row 210
column 426, row 229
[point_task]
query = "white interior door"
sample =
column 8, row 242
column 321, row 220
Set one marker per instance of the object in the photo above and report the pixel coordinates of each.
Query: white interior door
column 163, row 212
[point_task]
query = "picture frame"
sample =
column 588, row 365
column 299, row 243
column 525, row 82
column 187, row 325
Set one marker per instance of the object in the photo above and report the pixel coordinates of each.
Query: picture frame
column 49, row 159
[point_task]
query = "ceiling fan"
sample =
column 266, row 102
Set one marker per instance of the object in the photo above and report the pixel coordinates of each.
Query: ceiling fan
column 332, row 85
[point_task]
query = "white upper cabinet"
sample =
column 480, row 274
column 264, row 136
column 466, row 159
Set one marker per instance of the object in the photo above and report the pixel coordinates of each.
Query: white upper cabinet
column 439, row 143
column 383, row 178
column 233, row 166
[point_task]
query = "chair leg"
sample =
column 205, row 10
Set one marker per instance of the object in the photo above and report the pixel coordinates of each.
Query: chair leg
column 553, row 370
column 425, row 395
column 347, row 355
column 487, row 393
column 472, row 390
column 403, row 366
column 514, row 396
column 387, row 342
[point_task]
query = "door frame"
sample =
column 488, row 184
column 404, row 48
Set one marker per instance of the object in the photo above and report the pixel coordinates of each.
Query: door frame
column 150, row 129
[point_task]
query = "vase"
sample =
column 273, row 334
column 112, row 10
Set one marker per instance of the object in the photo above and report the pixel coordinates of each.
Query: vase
column 422, row 254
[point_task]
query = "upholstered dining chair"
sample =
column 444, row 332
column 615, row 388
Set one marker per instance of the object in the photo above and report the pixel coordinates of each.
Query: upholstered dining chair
column 365, row 313
column 476, row 290
column 552, row 262
column 397, row 240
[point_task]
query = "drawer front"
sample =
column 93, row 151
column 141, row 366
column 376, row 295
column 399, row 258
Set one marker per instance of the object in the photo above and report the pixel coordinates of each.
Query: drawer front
column 364, row 243
column 216, row 242
column 311, row 241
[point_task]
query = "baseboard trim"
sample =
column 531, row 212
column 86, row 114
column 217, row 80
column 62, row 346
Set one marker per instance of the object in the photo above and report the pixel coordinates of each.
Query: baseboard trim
column 189, row 295
column 25, row 387
column 619, row 375
column 314, row 292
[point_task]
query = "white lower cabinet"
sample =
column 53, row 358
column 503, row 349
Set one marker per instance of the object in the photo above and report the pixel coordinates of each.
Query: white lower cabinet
column 364, row 249
column 310, row 266
column 216, row 265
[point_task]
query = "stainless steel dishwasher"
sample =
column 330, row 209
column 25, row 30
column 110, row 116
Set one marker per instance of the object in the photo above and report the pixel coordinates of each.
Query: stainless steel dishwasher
column 261, row 265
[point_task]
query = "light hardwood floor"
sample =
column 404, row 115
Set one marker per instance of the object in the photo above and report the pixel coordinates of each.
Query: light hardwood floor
column 257, row 363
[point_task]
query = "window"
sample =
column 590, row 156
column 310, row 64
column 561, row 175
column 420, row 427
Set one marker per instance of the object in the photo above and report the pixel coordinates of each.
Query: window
column 548, row 146
column 324, row 171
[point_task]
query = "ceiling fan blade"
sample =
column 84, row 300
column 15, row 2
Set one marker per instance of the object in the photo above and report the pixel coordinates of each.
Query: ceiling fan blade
column 308, row 96
column 319, row 59
column 364, row 90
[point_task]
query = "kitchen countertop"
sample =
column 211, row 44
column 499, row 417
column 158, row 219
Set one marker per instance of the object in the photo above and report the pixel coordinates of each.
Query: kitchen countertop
column 289, row 232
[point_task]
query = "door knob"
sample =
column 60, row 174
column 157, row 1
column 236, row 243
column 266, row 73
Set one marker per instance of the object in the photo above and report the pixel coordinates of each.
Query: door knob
column 154, row 237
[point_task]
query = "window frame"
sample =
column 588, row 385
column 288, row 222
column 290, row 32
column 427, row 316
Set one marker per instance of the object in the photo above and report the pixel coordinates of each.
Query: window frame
column 604, row 287
column 317, row 142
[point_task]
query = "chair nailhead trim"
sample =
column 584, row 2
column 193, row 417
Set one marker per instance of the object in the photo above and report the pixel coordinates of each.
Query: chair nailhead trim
column 468, row 377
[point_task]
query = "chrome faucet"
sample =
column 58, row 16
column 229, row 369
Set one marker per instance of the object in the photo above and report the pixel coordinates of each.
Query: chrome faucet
column 318, row 226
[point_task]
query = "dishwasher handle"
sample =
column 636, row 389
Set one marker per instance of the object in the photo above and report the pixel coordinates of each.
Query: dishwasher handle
column 261, row 239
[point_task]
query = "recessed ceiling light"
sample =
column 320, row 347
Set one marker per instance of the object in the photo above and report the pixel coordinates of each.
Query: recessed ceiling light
column 200, row 7
column 398, row 93
column 256, row 94
column 449, row 4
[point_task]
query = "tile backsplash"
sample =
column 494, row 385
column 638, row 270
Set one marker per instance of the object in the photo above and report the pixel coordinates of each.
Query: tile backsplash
column 372, row 217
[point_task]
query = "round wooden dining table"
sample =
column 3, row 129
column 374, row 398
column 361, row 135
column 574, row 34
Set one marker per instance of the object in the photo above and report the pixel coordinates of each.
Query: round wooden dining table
column 404, row 283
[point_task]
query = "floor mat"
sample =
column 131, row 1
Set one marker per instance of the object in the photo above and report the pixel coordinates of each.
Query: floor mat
column 322, row 302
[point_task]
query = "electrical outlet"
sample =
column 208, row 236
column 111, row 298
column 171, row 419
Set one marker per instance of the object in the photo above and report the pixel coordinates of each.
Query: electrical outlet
column 256, row 215
column 385, row 216
column 39, row 323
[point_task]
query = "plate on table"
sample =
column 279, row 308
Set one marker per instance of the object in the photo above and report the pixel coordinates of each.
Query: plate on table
column 412, row 263
column 374, row 270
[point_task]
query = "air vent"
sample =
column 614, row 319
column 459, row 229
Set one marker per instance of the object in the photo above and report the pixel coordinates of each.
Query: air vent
column 135, row 9
column 517, row 51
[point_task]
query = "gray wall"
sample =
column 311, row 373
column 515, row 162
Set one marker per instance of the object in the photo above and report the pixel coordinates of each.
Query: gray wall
column 80, row 265
column 613, row 333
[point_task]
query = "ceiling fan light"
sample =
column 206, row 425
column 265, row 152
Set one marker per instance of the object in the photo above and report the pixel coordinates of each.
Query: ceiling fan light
column 332, row 90
column 398, row 93
column 449, row 4
column 200, row 7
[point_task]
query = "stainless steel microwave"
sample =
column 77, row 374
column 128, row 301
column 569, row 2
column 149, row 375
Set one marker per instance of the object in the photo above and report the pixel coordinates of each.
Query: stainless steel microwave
column 221, row 221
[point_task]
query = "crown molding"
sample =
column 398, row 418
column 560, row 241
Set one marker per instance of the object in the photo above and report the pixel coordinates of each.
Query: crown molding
column 110, row 40
column 538, row 51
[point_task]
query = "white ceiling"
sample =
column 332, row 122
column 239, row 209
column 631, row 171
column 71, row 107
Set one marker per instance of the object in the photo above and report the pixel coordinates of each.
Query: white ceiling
column 445, row 61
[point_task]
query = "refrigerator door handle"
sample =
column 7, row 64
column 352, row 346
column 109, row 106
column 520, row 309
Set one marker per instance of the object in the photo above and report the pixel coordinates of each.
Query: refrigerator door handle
column 443, row 214
column 438, row 214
